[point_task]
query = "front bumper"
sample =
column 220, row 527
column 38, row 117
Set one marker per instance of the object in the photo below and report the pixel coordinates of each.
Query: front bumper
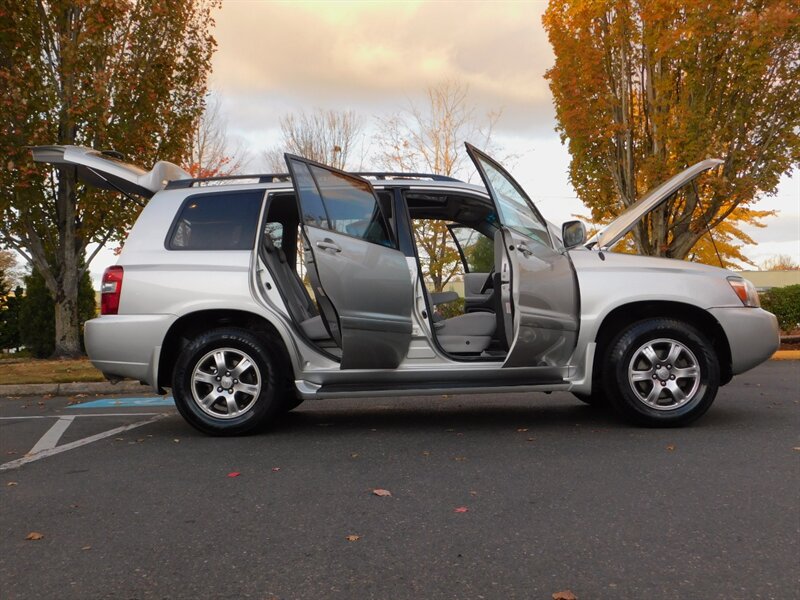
column 753, row 335
column 127, row 346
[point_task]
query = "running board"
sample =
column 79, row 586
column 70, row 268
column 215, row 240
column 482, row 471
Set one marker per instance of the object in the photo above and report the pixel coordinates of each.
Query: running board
column 310, row 390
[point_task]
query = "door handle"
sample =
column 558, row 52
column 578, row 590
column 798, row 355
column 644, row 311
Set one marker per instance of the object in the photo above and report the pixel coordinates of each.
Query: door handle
column 328, row 244
column 524, row 249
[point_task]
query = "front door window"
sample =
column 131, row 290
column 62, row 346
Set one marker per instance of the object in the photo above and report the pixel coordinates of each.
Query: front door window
column 516, row 210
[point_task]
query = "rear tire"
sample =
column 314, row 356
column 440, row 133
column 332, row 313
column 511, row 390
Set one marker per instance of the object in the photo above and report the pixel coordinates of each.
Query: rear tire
column 661, row 373
column 227, row 382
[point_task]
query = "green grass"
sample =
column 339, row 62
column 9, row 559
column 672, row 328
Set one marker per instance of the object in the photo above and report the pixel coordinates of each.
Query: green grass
column 31, row 370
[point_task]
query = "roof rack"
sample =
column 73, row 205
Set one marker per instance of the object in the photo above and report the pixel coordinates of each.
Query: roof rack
column 383, row 175
column 177, row 184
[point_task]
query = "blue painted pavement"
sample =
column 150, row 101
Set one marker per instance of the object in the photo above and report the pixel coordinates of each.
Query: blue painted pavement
column 126, row 402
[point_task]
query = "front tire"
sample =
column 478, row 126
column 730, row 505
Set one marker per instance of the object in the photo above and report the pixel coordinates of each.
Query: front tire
column 661, row 373
column 227, row 382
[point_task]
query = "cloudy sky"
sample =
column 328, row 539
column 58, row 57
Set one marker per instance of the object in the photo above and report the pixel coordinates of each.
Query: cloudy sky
column 376, row 57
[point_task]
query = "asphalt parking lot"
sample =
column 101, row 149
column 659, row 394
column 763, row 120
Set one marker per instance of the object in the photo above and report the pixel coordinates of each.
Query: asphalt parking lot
column 491, row 497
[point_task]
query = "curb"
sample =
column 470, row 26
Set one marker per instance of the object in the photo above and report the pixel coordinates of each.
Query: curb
column 786, row 355
column 71, row 389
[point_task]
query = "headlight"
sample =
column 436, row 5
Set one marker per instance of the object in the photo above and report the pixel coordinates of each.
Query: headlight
column 745, row 291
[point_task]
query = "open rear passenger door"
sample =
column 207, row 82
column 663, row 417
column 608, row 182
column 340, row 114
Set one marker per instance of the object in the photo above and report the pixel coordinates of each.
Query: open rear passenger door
column 539, row 290
column 361, row 282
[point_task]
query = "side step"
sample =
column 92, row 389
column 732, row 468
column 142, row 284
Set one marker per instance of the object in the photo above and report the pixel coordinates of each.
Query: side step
column 357, row 390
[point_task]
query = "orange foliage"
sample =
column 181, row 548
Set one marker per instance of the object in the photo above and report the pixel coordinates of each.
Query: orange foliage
column 645, row 88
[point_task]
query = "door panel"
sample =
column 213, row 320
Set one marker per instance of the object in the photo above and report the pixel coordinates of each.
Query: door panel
column 541, row 321
column 364, row 288
column 545, row 321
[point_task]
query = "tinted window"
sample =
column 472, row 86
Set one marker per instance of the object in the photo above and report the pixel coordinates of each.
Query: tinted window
column 310, row 200
column 351, row 206
column 224, row 221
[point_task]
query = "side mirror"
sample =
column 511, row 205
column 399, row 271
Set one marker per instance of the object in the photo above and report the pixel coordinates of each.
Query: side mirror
column 573, row 233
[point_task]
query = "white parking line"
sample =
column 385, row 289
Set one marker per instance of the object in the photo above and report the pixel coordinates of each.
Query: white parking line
column 51, row 437
column 76, row 444
column 136, row 414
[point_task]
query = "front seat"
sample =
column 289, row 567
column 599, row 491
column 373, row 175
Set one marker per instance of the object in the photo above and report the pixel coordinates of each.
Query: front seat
column 471, row 332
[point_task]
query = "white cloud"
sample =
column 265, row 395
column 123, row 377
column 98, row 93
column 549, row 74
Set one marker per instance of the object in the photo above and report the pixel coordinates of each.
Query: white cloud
column 375, row 56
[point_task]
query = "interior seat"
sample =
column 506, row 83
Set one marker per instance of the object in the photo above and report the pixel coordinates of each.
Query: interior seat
column 301, row 306
column 470, row 332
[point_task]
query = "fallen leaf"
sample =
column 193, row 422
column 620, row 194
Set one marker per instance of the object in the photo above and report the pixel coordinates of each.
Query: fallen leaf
column 354, row 455
column 33, row 536
column 565, row 595
column 522, row 429
column 119, row 439
column 11, row 483
column 461, row 458
column 797, row 448
column 461, row 509
column 531, row 439
column 275, row 469
column 352, row 538
column 382, row 493
column 234, row 474
column 473, row 493
column 176, row 440
column 670, row 447
column 425, row 453
column 86, row 548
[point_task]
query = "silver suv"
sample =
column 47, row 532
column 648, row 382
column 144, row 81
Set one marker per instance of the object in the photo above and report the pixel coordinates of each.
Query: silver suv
column 247, row 295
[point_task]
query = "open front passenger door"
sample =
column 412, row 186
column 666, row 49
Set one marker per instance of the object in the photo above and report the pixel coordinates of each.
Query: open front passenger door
column 361, row 282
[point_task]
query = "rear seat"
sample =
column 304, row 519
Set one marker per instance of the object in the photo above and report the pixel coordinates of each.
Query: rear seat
column 301, row 306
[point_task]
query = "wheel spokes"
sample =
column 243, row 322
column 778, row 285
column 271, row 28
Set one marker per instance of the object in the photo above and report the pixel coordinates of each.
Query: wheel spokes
column 213, row 371
column 678, row 373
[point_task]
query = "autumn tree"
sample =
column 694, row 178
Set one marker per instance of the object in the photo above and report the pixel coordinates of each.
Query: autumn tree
column 780, row 262
column 122, row 74
column 210, row 152
column 643, row 89
column 429, row 138
column 329, row 137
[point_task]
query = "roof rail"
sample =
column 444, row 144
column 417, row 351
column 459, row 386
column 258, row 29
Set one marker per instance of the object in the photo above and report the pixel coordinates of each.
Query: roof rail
column 401, row 175
column 177, row 184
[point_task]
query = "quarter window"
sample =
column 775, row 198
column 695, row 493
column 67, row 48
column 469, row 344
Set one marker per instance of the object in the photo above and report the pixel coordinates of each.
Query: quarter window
column 223, row 221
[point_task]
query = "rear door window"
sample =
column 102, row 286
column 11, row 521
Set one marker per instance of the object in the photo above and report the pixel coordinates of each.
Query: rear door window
column 217, row 221
column 339, row 202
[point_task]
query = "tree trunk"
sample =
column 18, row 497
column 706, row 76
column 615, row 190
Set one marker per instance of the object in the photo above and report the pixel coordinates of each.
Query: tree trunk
column 68, row 343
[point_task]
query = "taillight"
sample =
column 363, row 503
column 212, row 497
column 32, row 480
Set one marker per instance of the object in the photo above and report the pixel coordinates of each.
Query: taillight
column 110, row 290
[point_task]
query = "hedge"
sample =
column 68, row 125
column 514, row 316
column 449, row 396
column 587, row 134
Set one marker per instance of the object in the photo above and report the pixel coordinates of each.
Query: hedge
column 784, row 303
